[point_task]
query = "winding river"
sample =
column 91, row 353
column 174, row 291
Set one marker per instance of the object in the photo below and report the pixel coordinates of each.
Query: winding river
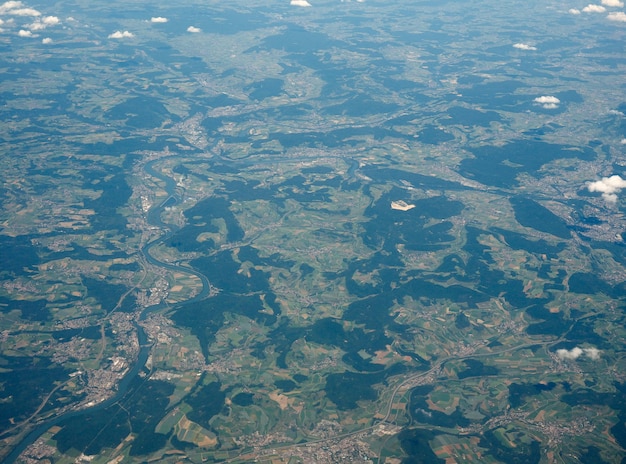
column 154, row 219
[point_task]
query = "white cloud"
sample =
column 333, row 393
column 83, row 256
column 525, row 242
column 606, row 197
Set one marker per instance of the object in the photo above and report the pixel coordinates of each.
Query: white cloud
column 41, row 24
column 299, row 3
column 549, row 102
column 608, row 186
column 50, row 20
column 523, row 46
column 547, row 99
column 576, row 352
column 158, row 19
column 574, row 11
column 617, row 3
column 6, row 6
column 572, row 354
column 193, row 29
column 16, row 8
column 121, row 35
column 593, row 353
column 24, row 12
column 46, row 41
column 623, row 141
column 24, row 33
column 618, row 16
column 591, row 8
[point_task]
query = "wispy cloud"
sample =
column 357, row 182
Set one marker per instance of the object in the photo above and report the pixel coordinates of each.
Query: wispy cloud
column 25, row 12
column 12, row 5
column 193, row 29
column 574, row 11
column 591, row 8
column 16, row 8
column 158, row 19
column 121, row 35
column 523, row 46
column 619, row 16
column 608, row 186
column 548, row 102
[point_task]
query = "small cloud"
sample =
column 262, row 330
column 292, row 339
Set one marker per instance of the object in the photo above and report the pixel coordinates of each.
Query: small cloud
column 623, row 141
column 574, row 11
column 24, row 33
column 548, row 102
column 46, row 41
column 591, row 8
column 121, row 35
column 571, row 355
column 547, row 99
column 619, row 16
column 523, row 46
column 608, row 186
column 16, row 8
column 617, row 3
column 300, row 3
column 43, row 23
column 7, row 6
column 592, row 353
column 50, row 20
column 576, row 352
column 193, row 29
column 24, row 12
column 158, row 19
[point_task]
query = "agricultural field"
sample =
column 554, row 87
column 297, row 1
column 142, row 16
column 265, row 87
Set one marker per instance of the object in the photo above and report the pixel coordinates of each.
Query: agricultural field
column 298, row 233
